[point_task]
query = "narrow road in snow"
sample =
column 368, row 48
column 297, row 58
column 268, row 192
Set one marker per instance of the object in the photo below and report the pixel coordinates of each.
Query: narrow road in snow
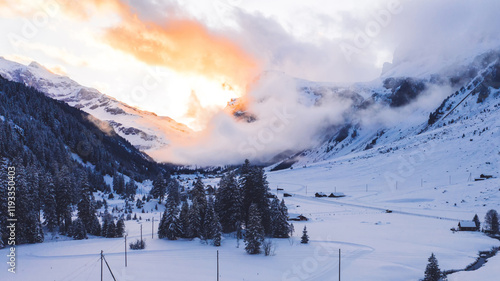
column 340, row 202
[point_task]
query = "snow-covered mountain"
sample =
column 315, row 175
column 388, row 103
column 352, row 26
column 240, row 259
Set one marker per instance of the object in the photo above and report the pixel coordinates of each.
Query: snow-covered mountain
column 145, row 130
column 396, row 113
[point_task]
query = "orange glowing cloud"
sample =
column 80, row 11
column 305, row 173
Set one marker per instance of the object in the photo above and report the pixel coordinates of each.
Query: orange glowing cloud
column 185, row 46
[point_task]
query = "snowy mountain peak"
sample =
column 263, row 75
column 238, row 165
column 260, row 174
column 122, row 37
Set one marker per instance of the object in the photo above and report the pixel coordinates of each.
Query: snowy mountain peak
column 35, row 64
column 145, row 130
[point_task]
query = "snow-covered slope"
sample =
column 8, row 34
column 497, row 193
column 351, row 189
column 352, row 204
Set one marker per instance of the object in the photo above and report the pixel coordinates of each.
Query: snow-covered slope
column 391, row 114
column 144, row 130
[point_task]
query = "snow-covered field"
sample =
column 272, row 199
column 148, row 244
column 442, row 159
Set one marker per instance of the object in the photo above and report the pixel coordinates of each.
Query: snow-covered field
column 375, row 245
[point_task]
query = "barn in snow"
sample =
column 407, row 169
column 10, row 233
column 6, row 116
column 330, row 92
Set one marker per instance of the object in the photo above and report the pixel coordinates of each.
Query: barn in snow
column 467, row 226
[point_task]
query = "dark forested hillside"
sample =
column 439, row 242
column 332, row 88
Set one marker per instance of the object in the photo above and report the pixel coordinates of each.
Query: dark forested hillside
column 44, row 139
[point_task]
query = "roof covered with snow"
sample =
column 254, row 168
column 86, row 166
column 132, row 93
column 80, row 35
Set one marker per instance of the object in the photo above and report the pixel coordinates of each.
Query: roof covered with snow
column 467, row 224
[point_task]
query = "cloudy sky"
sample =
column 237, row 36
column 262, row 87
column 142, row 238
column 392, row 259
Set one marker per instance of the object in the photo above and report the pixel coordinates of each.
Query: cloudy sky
column 187, row 59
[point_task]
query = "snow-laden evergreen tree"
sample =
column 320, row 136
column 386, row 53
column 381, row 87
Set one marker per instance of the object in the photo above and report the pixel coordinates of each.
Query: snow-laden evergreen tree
column 49, row 204
column 279, row 217
column 139, row 204
column 254, row 235
column 173, row 188
column 63, row 199
column 211, row 221
column 108, row 226
column 228, row 202
column 159, row 187
column 491, row 221
column 198, row 194
column 184, row 219
column 218, row 234
column 86, row 208
column 170, row 227
column 305, row 238
column 95, row 228
column 120, row 228
column 254, row 185
column 477, row 222
column 118, row 183
column 195, row 221
column 432, row 271
column 111, row 231
column 78, row 230
column 34, row 179
column 28, row 227
column 130, row 189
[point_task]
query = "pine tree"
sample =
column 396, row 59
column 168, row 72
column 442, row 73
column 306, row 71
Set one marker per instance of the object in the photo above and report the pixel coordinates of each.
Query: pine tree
column 96, row 227
column 195, row 221
column 211, row 221
column 49, row 205
column 63, row 199
column 254, row 235
column 118, row 183
column 173, row 191
column 170, row 227
column 108, row 226
column 218, row 234
column 279, row 217
column 491, row 221
column 228, row 203
column 198, row 194
column 254, row 187
column 130, row 189
column 477, row 222
column 86, row 208
column 120, row 228
column 28, row 227
column 159, row 187
column 184, row 219
column 78, row 230
column 305, row 238
column 111, row 231
column 432, row 271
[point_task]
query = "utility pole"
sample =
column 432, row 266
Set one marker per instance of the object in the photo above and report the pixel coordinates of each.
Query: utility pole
column 396, row 185
column 101, row 266
column 339, row 264
column 141, row 233
column 421, row 182
column 125, row 250
column 152, row 227
column 217, row 265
